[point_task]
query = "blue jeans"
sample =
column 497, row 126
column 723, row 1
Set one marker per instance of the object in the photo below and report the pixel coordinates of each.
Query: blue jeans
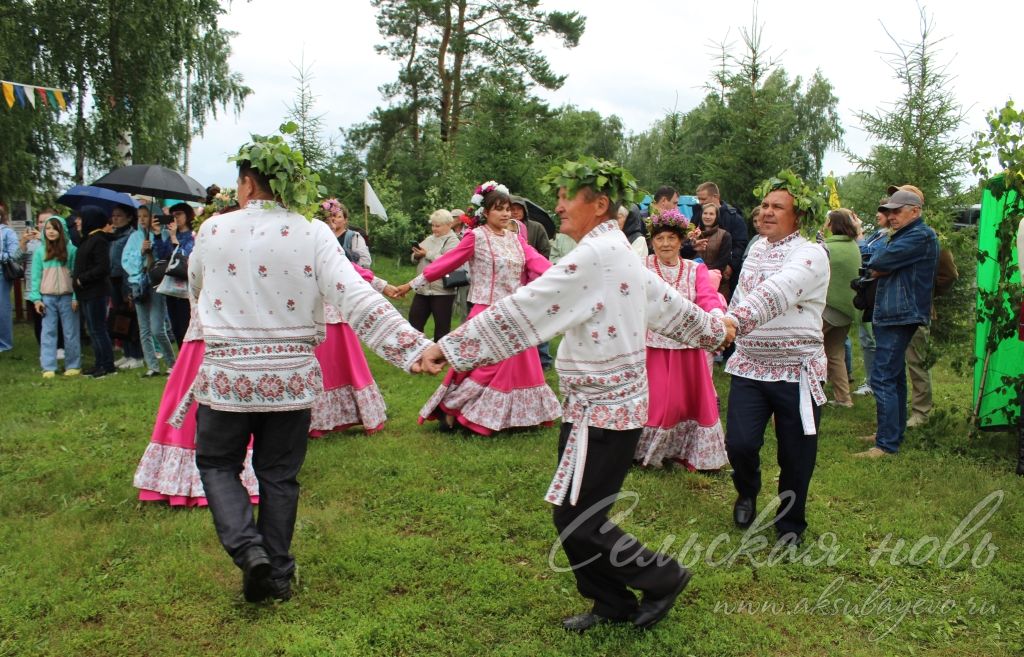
column 96, row 323
column 57, row 314
column 889, row 383
column 153, row 325
column 867, row 347
column 545, row 355
column 848, row 356
column 6, row 316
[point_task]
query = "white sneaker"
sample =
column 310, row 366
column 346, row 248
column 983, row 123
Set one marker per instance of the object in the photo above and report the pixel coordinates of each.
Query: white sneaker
column 60, row 354
column 864, row 389
column 131, row 364
column 121, row 361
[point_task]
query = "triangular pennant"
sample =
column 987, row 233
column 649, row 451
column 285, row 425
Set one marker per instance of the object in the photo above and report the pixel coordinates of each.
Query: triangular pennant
column 9, row 93
column 60, row 98
column 19, row 93
column 30, row 97
column 53, row 99
column 42, row 95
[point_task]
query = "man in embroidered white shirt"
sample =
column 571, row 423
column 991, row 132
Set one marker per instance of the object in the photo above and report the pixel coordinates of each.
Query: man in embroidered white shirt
column 603, row 299
column 262, row 275
column 779, row 362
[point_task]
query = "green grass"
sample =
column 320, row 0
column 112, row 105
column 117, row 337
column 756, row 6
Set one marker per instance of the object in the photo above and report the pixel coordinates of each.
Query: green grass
column 411, row 542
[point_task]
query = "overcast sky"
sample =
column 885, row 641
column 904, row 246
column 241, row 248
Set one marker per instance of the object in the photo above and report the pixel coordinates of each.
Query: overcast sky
column 637, row 60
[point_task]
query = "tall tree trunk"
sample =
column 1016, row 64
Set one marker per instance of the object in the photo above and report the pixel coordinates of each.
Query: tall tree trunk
column 442, row 72
column 414, row 83
column 79, row 133
column 188, row 118
column 460, row 55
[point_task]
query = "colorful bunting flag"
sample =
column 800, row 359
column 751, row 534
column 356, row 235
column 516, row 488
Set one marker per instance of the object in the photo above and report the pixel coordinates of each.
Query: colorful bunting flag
column 25, row 94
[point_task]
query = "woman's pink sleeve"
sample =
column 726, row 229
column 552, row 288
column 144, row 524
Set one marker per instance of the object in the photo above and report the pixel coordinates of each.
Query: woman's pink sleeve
column 452, row 260
column 366, row 274
column 707, row 296
column 536, row 264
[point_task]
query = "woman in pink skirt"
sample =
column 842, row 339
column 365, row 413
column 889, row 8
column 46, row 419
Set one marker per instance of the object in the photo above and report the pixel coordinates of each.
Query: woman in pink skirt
column 512, row 393
column 682, row 421
column 167, row 471
column 350, row 395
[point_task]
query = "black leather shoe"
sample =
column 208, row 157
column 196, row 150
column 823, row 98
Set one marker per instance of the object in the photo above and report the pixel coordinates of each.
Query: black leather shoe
column 583, row 622
column 280, row 588
column 256, row 582
column 653, row 610
column 743, row 512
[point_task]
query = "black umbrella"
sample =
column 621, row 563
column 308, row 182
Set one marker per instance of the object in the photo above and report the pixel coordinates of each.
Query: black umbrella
column 153, row 180
column 538, row 214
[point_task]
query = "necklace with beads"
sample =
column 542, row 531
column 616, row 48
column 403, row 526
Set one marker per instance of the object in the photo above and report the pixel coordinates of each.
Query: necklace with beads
column 679, row 276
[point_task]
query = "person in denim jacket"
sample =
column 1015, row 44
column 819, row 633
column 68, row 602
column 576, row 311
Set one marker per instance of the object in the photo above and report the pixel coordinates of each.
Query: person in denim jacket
column 905, row 268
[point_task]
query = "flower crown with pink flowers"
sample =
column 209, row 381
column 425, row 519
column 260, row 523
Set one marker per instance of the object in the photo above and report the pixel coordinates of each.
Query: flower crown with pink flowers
column 667, row 218
column 331, row 207
column 478, row 198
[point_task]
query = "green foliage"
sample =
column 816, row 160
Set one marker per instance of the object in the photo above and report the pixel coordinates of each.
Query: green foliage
column 291, row 181
column 809, row 201
column 917, row 134
column 308, row 137
column 448, row 48
column 602, row 176
column 142, row 79
column 753, row 122
column 1004, row 142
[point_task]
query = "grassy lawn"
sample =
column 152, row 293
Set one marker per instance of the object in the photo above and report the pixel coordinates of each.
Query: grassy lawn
column 411, row 542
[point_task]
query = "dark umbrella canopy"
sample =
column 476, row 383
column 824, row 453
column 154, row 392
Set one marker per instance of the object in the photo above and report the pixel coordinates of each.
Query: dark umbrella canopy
column 82, row 195
column 153, row 180
column 538, row 214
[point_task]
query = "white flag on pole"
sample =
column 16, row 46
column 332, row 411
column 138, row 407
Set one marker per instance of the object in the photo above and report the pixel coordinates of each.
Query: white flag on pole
column 371, row 202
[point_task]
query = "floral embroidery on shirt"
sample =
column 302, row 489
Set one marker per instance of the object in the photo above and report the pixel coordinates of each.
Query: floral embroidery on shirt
column 270, row 387
column 232, row 269
column 262, row 271
column 284, row 231
column 218, row 304
column 571, row 267
column 624, row 289
column 308, row 271
column 553, row 309
column 290, row 304
column 611, row 331
column 243, row 387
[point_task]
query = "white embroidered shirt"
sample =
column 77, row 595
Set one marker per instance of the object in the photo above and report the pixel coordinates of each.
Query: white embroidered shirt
column 778, row 304
column 603, row 298
column 262, row 277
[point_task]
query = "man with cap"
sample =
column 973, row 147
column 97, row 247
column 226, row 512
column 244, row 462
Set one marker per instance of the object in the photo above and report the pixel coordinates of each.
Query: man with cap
column 905, row 268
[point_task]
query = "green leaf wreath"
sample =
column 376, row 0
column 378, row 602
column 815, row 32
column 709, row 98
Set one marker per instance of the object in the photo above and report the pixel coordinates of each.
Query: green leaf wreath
column 291, row 181
column 603, row 176
column 809, row 201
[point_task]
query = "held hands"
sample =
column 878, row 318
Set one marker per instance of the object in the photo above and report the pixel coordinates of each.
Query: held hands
column 390, row 291
column 431, row 362
column 401, row 291
column 730, row 332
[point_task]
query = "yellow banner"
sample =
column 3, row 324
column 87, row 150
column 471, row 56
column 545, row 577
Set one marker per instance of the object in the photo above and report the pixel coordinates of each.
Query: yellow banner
column 9, row 94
